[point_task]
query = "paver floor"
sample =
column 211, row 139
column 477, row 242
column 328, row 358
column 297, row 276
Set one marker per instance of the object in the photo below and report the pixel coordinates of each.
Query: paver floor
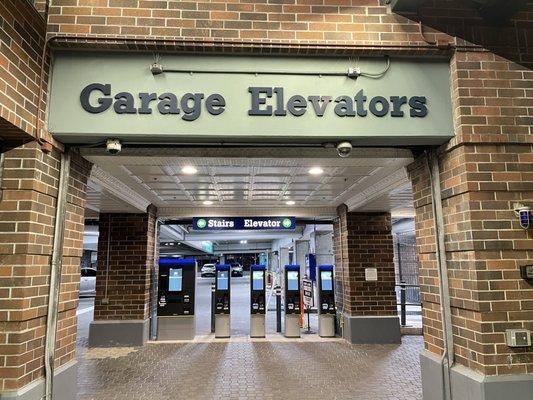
column 240, row 368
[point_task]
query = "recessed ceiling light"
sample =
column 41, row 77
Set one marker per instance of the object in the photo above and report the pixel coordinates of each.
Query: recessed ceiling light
column 244, row 241
column 189, row 170
column 207, row 202
column 290, row 202
column 316, row 171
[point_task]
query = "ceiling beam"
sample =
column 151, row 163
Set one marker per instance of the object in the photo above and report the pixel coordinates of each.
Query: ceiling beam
column 105, row 181
column 383, row 186
column 253, row 211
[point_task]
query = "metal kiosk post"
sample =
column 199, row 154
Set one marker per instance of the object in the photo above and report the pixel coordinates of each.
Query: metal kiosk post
column 257, row 301
column 326, row 301
column 222, row 300
column 175, row 307
column 292, row 301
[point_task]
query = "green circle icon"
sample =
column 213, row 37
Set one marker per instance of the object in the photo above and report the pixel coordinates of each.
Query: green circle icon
column 286, row 223
column 201, row 223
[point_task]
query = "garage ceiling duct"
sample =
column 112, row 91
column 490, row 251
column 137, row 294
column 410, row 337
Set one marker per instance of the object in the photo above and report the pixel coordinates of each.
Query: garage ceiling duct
column 497, row 11
column 405, row 5
column 494, row 11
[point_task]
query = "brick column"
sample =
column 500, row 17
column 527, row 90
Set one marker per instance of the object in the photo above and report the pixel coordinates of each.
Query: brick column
column 368, row 308
column 484, row 170
column 29, row 186
column 122, row 304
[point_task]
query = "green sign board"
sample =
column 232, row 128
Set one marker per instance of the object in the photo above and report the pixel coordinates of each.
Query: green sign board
column 243, row 223
column 100, row 96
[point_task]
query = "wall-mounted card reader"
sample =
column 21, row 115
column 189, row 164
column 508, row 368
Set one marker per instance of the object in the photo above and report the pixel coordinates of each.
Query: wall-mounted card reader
column 292, row 300
column 222, row 300
column 257, row 300
column 176, row 298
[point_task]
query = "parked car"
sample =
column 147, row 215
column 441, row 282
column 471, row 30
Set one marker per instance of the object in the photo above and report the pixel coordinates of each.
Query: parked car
column 207, row 270
column 88, row 282
column 236, row 269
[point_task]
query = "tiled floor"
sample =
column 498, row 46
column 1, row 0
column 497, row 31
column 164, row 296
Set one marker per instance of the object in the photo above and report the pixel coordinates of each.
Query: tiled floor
column 253, row 370
column 309, row 369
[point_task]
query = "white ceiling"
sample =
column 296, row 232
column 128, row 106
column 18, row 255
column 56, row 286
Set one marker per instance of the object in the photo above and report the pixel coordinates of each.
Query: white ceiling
column 248, row 181
column 399, row 200
column 100, row 199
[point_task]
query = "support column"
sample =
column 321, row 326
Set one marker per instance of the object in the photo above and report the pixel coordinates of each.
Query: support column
column 363, row 244
column 484, row 170
column 125, row 258
column 283, row 257
column 29, row 183
column 323, row 248
column 301, row 249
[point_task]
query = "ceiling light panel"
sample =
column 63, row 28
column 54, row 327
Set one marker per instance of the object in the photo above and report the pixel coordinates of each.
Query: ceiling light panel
column 189, row 170
column 315, row 171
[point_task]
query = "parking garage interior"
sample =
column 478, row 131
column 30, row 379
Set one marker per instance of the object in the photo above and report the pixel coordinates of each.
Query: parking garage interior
column 305, row 183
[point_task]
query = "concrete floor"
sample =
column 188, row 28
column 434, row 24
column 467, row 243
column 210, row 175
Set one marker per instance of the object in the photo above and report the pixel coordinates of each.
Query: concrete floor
column 239, row 368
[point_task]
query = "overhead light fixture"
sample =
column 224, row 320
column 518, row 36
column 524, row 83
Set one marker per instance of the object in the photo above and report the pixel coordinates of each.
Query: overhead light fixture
column 316, row 171
column 207, row 202
column 189, row 170
column 290, row 202
column 244, row 241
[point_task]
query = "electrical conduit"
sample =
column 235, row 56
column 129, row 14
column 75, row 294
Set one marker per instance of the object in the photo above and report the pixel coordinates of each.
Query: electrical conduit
column 55, row 275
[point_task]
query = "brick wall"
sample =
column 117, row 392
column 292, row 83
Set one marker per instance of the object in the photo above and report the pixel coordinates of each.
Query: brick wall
column 131, row 257
column 241, row 25
column 485, row 169
column 40, row 5
column 22, row 32
column 485, row 247
column 364, row 240
column 27, row 219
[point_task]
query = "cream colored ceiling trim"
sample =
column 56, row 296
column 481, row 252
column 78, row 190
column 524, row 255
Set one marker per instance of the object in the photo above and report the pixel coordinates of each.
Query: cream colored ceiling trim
column 170, row 232
column 159, row 156
column 301, row 212
column 403, row 213
column 392, row 181
column 118, row 189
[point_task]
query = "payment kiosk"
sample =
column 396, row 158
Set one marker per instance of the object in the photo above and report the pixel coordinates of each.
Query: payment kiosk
column 257, row 301
column 292, row 300
column 222, row 300
column 326, row 301
column 175, row 308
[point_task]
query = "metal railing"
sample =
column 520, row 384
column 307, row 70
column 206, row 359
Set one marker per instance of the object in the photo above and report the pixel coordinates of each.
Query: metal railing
column 403, row 301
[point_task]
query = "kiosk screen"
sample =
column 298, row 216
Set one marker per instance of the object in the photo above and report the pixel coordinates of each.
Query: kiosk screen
column 222, row 280
column 175, row 280
column 327, row 280
column 257, row 280
column 292, row 280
